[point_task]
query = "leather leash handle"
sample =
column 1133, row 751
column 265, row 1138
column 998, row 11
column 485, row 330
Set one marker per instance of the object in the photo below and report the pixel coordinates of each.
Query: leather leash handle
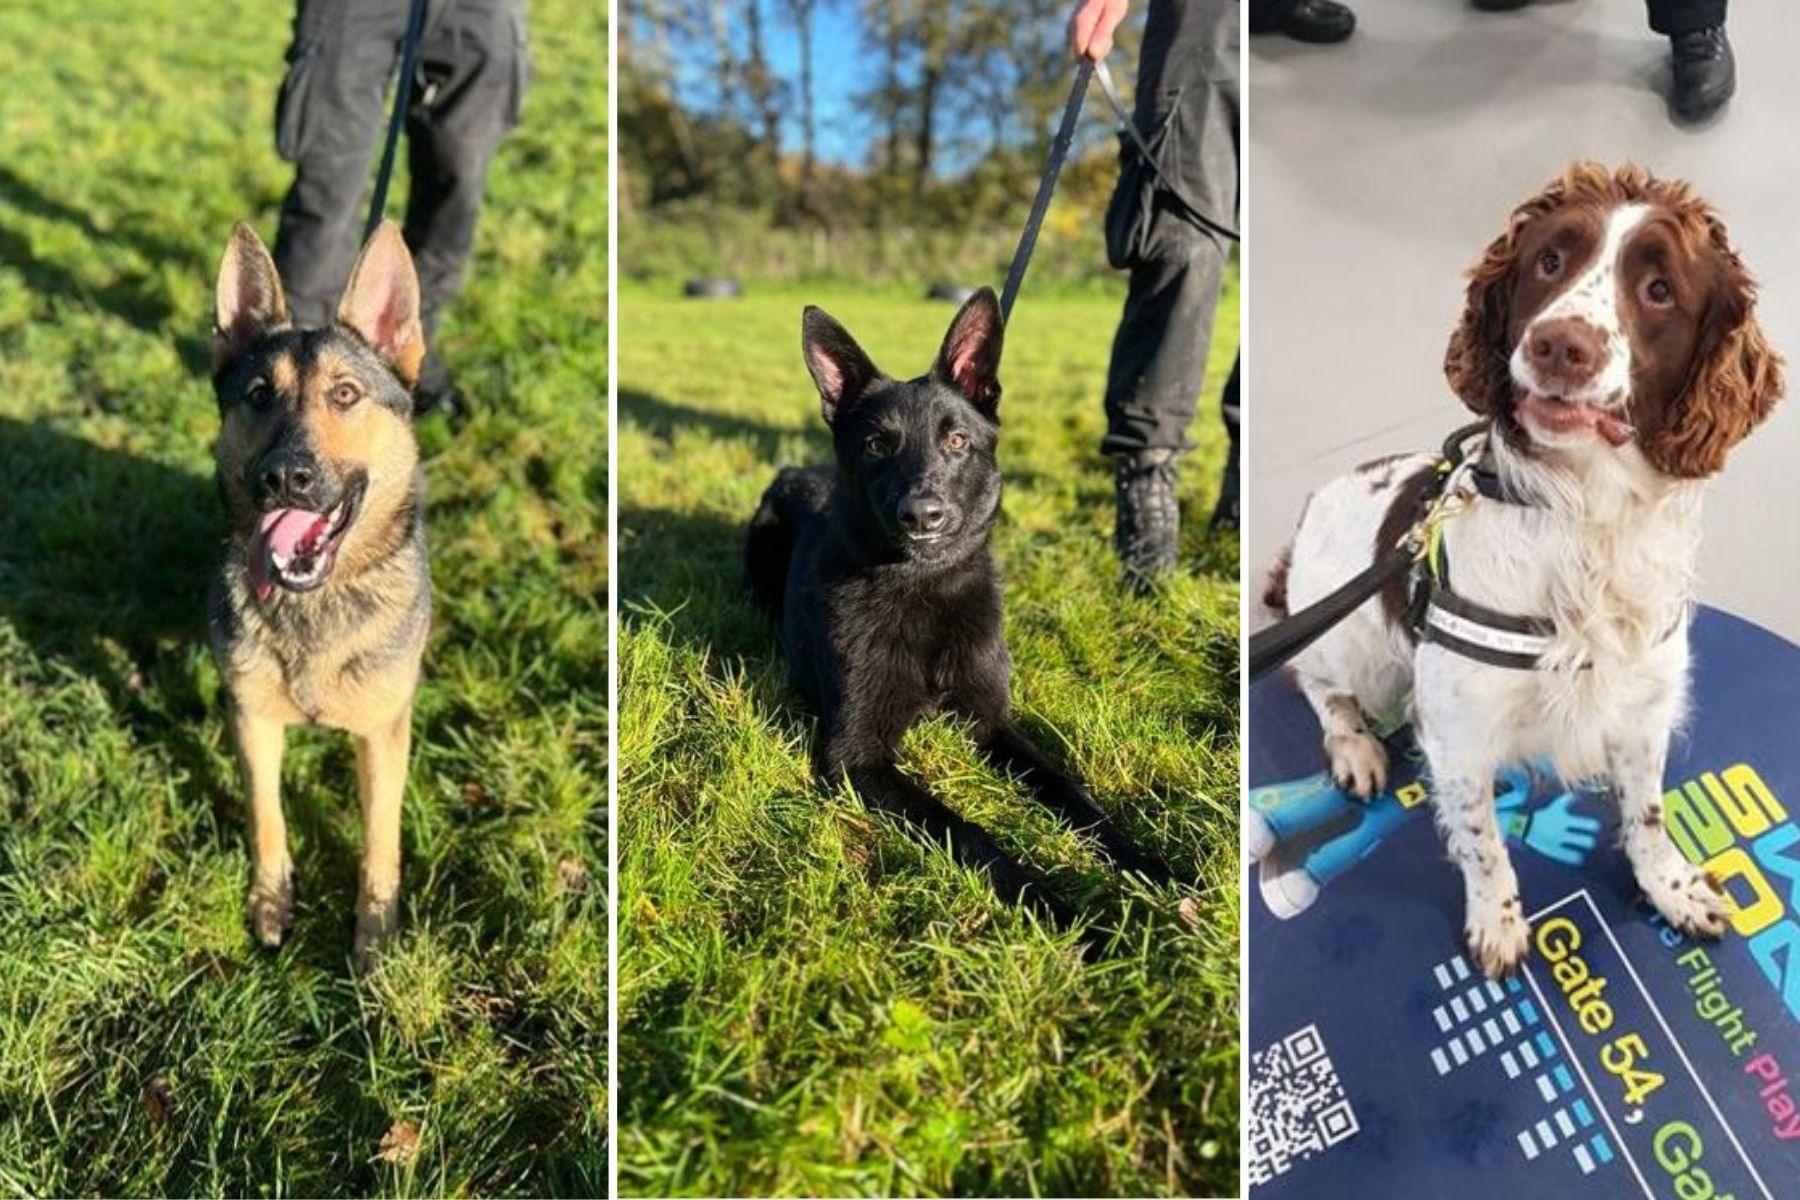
column 1059, row 150
column 409, row 61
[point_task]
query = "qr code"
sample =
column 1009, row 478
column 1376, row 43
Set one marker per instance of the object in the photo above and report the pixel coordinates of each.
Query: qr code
column 1297, row 1105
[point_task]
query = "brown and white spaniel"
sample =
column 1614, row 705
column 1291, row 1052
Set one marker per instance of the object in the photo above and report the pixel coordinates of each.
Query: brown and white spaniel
column 1610, row 341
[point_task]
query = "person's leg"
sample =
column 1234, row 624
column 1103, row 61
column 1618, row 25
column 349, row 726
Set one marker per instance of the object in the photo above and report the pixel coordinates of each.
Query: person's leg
column 472, row 68
column 1705, row 70
column 1225, row 510
column 1672, row 17
column 1158, row 367
column 1187, row 95
column 328, row 120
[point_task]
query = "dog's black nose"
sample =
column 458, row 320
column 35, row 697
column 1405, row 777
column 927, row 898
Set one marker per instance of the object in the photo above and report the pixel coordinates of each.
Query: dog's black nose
column 289, row 477
column 922, row 514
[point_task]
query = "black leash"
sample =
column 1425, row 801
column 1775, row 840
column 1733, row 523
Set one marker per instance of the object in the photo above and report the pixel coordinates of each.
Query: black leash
column 1059, row 151
column 409, row 61
column 1271, row 647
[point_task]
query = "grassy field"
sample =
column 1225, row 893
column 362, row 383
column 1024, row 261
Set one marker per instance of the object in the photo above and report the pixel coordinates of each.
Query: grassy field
column 147, row 1046
column 813, row 1002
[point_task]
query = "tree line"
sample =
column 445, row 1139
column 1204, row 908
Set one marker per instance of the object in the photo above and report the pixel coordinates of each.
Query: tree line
column 954, row 116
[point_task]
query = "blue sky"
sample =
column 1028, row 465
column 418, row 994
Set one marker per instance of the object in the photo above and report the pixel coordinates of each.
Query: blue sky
column 842, row 66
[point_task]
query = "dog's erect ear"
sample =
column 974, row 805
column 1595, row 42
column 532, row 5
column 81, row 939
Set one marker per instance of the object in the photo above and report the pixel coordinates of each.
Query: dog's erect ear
column 248, row 301
column 838, row 365
column 381, row 302
column 969, row 359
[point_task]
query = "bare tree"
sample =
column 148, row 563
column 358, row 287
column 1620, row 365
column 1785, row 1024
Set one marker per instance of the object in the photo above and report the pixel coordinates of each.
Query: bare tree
column 800, row 13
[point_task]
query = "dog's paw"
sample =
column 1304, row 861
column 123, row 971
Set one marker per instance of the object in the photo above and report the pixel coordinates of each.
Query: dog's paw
column 1691, row 900
column 376, row 921
column 272, row 908
column 1497, row 936
column 1358, row 763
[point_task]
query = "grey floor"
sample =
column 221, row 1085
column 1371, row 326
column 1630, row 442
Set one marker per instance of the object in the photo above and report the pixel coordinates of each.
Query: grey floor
column 1378, row 170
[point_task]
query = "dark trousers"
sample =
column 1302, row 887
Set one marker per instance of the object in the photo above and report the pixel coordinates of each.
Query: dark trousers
column 471, row 78
column 1187, row 106
column 1673, row 17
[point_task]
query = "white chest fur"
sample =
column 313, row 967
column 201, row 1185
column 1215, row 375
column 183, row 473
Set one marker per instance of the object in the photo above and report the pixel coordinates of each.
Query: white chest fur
column 1608, row 556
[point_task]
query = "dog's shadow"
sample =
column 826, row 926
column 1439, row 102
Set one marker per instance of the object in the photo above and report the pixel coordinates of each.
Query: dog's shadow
column 105, row 558
column 137, row 296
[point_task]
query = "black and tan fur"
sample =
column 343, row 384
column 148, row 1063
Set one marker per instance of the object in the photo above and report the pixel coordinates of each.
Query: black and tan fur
column 314, row 418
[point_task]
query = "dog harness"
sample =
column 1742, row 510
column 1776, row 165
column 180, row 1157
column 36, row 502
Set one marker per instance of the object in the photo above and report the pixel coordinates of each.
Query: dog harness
column 1437, row 613
column 1440, row 615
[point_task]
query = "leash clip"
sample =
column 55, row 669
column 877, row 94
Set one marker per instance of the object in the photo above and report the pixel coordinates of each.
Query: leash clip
column 1450, row 498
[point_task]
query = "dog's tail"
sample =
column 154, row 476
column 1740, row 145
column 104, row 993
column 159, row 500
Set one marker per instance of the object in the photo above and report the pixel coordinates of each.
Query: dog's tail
column 768, row 548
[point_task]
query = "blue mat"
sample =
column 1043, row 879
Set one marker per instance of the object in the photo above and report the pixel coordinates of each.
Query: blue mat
column 1626, row 1061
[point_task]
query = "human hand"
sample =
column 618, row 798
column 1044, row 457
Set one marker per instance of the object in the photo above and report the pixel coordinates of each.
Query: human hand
column 1091, row 27
column 1561, row 834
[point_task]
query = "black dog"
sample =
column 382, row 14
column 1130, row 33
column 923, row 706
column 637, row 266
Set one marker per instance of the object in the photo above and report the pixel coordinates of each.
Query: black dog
column 879, row 574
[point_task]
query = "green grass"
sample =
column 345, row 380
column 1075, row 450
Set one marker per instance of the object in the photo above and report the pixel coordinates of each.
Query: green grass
column 810, row 1000
column 146, row 1045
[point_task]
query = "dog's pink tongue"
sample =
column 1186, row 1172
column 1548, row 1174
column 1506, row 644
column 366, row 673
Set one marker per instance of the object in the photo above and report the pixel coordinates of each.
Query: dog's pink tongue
column 1615, row 431
column 287, row 532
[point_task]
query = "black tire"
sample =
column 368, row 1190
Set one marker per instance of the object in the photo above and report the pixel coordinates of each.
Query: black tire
column 723, row 288
column 955, row 293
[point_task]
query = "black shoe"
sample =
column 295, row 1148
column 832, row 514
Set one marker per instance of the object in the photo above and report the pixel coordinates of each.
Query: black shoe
column 436, row 391
column 1145, row 532
column 1500, row 5
column 1705, row 72
column 1321, row 22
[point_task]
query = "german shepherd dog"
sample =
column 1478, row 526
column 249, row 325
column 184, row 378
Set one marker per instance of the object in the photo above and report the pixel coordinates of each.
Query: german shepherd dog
column 878, row 574
column 320, row 607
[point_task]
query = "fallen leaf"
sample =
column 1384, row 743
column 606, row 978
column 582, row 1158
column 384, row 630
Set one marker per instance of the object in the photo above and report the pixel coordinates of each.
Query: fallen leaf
column 158, row 1099
column 400, row 1144
column 573, row 873
column 1190, row 911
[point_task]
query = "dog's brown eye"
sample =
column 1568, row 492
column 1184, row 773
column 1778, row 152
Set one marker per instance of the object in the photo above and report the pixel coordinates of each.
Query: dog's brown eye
column 1659, row 293
column 1549, row 263
column 259, row 393
column 957, row 440
column 345, row 394
column 878, row 445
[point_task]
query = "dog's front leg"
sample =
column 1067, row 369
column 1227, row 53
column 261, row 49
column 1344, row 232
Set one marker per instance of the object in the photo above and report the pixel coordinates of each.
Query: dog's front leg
column 1358, row 760
column 1011, row 750
column 1494, row 925
column 1687, row 897
column 881, row 784
column 259, row 745
column 381, row 760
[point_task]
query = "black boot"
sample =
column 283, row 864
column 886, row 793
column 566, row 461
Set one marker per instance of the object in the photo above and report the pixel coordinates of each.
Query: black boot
column 1318, row 21
column 436, row 391
column 1705, row 72
column 1147, row 528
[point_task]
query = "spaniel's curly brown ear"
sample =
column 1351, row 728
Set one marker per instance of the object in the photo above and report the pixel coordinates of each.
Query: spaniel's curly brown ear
column 1734, row 382
column 1476, row 363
